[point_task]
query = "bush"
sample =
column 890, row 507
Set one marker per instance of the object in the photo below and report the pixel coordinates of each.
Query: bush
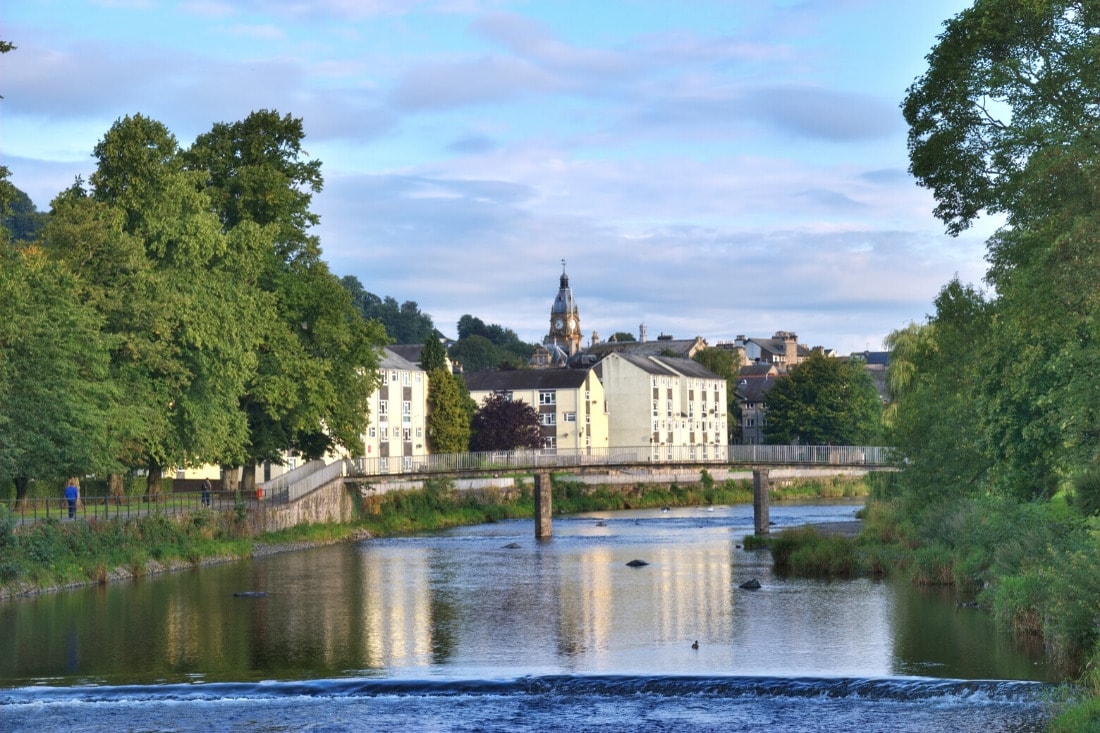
column 808, row 553
column 1086, row 492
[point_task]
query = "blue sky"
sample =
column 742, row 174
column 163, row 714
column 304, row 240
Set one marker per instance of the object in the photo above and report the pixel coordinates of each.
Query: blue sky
column 706, row 168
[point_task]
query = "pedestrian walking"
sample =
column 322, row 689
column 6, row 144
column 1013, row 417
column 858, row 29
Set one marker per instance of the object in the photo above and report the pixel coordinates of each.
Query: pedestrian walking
column 206, row 492
column 72, row 495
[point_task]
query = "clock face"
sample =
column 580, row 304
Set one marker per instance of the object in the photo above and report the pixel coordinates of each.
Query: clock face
column 557, row 323
column 572, row 324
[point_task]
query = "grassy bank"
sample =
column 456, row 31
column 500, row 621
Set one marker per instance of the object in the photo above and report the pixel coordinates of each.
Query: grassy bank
column 1034, row 566
column 55, row 554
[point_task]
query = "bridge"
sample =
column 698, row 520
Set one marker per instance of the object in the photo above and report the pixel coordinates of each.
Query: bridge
column 295, row 485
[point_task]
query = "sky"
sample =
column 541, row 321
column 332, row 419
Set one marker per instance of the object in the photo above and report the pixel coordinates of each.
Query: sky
column 707, row 168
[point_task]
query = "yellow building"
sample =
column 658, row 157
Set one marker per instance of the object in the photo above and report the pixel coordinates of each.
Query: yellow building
column 570, row 403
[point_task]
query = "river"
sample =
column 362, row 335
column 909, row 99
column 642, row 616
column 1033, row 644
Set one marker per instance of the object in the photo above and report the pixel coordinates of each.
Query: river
column 485, row 628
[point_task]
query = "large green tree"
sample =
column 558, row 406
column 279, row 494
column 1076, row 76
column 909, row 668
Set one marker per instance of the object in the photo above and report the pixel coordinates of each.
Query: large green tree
column 56, row 398
column 1007, row 79
column 824, row 401
column 318, row 358
column 1006, row 120
column 185, row 337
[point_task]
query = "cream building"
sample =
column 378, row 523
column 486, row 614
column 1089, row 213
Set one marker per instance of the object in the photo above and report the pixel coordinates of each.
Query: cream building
column 674, row 409
column 570, row 403
column 397, row 434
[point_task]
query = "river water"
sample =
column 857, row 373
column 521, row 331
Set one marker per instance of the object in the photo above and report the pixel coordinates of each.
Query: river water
column 484, row 628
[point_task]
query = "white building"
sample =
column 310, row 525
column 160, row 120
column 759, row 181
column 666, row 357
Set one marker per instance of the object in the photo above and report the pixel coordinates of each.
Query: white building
column 673, row 408
column 396, row 435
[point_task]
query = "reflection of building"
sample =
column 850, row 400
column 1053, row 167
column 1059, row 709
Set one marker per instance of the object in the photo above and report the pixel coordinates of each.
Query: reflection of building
column 674, row 407
column 570, row 402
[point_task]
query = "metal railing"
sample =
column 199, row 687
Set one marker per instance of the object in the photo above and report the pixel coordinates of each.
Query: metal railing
column 649, row 456
column 299, row 482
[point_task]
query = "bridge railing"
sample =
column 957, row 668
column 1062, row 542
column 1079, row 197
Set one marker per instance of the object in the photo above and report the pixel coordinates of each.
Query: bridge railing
column 821, row 455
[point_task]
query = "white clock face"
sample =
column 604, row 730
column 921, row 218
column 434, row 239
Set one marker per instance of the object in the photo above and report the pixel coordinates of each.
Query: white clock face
column 557, row 323
column 572, row 324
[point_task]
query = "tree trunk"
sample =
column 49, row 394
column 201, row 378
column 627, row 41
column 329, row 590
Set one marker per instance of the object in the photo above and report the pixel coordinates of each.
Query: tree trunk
column 229, row 478
column 152, row 483
column 116, row 487
column 22, row 486
column 248, row 480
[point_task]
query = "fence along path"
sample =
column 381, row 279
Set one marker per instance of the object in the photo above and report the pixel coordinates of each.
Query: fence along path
column 310, row 476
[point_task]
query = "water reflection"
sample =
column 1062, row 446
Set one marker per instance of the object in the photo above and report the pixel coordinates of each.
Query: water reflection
column 490, row 601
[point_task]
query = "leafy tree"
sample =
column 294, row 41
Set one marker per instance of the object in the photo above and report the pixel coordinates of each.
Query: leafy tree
column 185, row 340
column 318, row 360
column 404, row 323
column 450, row 411
column 931, row 416
column 501, row 424
column 433, row 356
column 22, row 220
column 1006, row 80
column 824, row 401
column 56, row 401
column 477, row 353
column 622, row 336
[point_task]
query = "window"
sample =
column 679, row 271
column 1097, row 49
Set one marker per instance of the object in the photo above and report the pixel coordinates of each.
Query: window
column 549, row 418
column 407, row 434
column 405, row 378
column 550, row 442
column 393, row 376
column 419, row 377
column 668, row 407
column 419, row 432
column 396, row 432
column 383, row 408
column 655, row 407
column 406, row 411
column 384, row 465
column 547, row 397
column 570, row 417
column 372, row 431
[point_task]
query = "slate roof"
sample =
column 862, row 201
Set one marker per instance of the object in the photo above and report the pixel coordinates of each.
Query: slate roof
column 409, row 352
column 392, row 360
column 680, row 347
column 665, row 366
column 525, row 379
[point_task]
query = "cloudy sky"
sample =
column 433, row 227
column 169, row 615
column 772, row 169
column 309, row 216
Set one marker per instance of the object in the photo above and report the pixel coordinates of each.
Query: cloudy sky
column 705, row 167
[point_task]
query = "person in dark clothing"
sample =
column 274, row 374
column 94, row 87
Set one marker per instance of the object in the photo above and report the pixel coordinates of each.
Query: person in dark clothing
column 206, row 492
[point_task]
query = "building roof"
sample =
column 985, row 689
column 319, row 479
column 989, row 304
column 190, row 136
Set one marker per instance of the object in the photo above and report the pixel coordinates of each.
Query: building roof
column 666, row 366
column 525, row 379
column 392, row 360
column 679, row 347
column 409, row 352
column 754, row 389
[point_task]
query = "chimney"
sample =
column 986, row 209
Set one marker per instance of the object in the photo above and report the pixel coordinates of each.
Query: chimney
column 790, row 341
column 642, row 333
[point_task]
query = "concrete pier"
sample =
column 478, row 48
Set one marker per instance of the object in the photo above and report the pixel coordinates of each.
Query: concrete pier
column 760, row 485
column 543, row 507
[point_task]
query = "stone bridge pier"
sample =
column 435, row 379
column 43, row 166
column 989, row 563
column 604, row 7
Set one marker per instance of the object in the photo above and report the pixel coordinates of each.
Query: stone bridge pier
column 544, row 510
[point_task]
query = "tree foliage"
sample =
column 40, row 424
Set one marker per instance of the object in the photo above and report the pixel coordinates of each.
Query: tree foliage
column 480, row 346
column 824, row 401
column 1006, row 80
column 503, row 424
column 404, row 323
column 450, row 412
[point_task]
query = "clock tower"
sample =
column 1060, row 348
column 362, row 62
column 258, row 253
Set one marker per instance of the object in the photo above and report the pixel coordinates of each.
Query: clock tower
column 565, row 319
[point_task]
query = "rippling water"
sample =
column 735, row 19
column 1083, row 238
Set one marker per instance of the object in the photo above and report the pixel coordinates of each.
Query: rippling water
column 483, row 628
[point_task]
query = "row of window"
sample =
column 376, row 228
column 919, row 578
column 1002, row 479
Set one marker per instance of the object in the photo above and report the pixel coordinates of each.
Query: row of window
column 398, row 432
column 404, row 377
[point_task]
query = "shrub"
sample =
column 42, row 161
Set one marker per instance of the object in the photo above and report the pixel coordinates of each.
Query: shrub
column 808, row 553
column 1086, row 491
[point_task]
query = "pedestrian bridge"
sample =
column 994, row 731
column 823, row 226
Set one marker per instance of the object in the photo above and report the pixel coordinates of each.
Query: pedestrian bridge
column 304, row 479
